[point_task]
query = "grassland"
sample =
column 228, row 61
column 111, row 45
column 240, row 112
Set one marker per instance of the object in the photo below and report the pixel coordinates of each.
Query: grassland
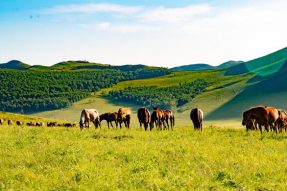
column 68, row 159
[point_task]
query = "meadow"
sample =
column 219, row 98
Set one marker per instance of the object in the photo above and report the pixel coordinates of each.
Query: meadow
column 113, row 159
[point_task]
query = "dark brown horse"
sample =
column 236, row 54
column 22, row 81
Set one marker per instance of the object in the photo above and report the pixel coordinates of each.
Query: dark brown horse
column 124, row 116
column 10, row 122
column 19, row 123
column 196, row 115
column 251, row 125
column 110, row 117
column 143, row 117
column 157, row 118
column 40, row 124
column 168, row 115
column 51, row 124
column 264, row 116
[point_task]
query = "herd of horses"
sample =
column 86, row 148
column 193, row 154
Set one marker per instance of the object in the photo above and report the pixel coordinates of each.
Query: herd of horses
column 161, row 119
column 37, row 123
column 271, row 118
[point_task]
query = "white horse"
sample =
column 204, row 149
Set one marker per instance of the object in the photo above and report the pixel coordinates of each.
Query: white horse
column 87, row 116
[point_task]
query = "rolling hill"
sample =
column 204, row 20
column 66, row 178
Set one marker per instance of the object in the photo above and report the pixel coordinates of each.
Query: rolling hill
column 231, row 88
column 199, row 67
column 193, row 67
column 14, row 64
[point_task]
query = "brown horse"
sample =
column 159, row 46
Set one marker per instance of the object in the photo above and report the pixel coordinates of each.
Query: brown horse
column 19, row 123
column 124, row 116
column 10, row 122
column 87, row 116
column 168, row 115
column 265, row 116
column 196, row 115
column 39, row 124
column 143, row 117
column 281, row 122
column 1, row 121
column 31, row 124
column 157, row 118
column 51, row 124
column 251, row 125
column 110, row 117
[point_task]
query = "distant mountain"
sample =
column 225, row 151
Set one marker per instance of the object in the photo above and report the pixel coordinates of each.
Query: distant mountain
column 229, row 64
column 193, row 67
column 14, row 64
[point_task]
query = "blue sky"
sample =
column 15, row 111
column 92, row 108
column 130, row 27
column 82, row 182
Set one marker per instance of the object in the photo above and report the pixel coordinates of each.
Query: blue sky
column 162, row 33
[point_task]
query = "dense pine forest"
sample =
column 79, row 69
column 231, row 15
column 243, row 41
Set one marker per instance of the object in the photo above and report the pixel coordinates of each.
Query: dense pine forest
column 165, row 97
column 32, row 91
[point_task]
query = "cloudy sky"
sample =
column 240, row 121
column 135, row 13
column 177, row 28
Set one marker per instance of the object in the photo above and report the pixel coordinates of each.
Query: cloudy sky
column 152, row 32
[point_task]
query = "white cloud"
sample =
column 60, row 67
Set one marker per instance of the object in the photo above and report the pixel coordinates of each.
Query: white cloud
column 160, row 35
column 92, row 8
column 121, row 28
column 173, row 15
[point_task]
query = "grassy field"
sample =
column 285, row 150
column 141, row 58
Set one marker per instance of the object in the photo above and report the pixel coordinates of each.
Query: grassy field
column 68, row 159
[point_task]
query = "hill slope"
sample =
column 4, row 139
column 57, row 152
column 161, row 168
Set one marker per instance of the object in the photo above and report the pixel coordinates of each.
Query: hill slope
column 14, row 64
column 193, row 67
column 263, row 66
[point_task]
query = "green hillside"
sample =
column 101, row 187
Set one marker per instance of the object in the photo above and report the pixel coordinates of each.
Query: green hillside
column 14, row 64
column 263, row 66
column 39, row 90
column 193, row 67
column 223, row 94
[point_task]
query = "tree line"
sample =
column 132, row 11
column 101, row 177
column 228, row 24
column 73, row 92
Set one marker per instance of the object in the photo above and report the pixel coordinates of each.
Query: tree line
column 164, row 97
column 33, row 91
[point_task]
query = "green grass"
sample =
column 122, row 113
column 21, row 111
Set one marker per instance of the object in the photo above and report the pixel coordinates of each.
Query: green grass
column 68, row 159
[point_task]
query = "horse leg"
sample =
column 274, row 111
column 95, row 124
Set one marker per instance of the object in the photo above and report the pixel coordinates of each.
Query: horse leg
column 108, row 124
column 145, row 126
column 166, row 121
column 260, row 128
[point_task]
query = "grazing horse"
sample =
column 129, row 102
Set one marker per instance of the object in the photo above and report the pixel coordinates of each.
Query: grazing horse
column 87, row 116
column 196, row 115
column 157, row 118
column 110, row 117
column 264, row 116
column 124, row 115
column 281, row 122
column 144, row 117
column 51, row 124
column 19, row 123
column 39, row 124
column 10, row 122
column 168, row 115
column 1, row 121
column 31, row 124
column 251, row 125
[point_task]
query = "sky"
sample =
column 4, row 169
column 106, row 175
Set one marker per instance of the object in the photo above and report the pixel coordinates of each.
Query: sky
column 151, row 32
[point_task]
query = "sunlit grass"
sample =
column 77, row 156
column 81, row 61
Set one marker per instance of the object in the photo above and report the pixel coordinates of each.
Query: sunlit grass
column 215, row 159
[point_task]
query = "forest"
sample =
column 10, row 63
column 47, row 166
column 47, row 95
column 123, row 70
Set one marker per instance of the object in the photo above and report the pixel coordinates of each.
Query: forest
column 34, row 91
column 164, row 97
